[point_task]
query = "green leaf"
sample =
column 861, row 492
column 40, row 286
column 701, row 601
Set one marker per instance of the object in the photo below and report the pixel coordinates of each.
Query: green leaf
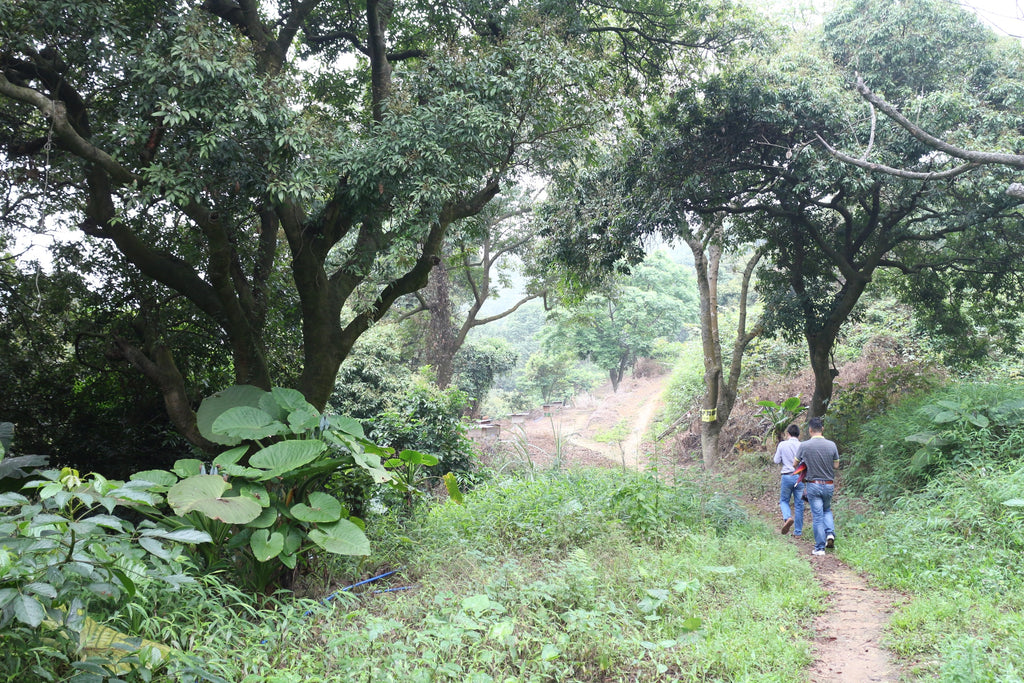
column 156, row 477
column 230, row 457
column 550, row 652
column 252, row 489
column 12, row 499
column 371, row 463
column 188, row 467
column 791, row 404
column 978, row 420
column 921, row 459
column 248, row 423
column 266, row 545
column 417, row 458
column 453, row 487
column 303, row 419
column 341, row 538
column 347, row 425
column 945, row 416
column 321, row 508
column 1014, row 502
column 28, row 610
column 285, row 456
column 693, row 624
column 43, row 589
column 213, row 406
column 266, row 519
column 204, row 493
column 155, row 547
column 179, row 535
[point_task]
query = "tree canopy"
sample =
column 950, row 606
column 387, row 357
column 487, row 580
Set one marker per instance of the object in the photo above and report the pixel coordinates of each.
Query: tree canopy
column 278, row 174
column 743, row 146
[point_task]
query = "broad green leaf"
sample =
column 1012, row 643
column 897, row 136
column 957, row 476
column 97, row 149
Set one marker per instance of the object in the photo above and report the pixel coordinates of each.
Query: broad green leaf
column 12, row 499
column 179, row 535
column 921, row 459
column 188, row 467
column 347, row 425
column 204, row 493
column 453, row 487
column 293, row 541
column 288, row 560
column 28, row 610
column 246, row 422
column 230, row 457
column 285, row 401
column 1014, row 502
column 44, row 589
column 693, row 624
column 303, row 419
column 213, row 406
column 266, row 545
column 978, row 420
column 945, row 416
column 158, row 477
column 285, row 456
column 266, row 519
column 418, row 458
column 341, row 538
column 550, row 652
column 155, row 547
column 372, row 464
column 791, row 404
column 321, row 508
column 254, row 490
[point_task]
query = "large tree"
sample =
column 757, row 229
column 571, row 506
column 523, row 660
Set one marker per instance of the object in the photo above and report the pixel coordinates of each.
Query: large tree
column 745, row 148
column 297, row 164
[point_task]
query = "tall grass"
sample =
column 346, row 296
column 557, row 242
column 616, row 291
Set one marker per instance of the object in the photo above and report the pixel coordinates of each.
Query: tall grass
column 948, row 530
column 583, row 576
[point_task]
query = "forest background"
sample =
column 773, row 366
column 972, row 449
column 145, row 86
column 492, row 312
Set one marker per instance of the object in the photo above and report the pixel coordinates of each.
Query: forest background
column 412, row 215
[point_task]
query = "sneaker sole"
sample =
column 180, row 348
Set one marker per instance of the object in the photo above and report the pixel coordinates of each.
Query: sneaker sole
column 830, row 543
column 787, row 525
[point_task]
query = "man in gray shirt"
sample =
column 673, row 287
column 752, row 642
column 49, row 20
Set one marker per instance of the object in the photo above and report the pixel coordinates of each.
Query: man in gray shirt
column 821, row 457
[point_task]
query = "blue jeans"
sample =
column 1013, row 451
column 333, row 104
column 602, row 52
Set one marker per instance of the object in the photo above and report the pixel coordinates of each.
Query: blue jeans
column 819, row 497
column 791, row 486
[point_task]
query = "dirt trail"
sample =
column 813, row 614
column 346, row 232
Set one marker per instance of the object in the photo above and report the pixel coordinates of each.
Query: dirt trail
column 847, row 645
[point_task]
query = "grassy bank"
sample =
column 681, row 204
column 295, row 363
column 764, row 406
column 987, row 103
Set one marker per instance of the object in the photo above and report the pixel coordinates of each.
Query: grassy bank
column 950, row 534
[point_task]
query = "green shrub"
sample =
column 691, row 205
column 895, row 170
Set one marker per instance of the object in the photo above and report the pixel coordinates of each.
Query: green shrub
column 886, row 387
column 429, row 420
column 964, row 426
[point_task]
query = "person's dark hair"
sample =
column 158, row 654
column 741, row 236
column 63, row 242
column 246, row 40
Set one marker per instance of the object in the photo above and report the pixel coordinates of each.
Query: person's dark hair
column 793, row 430
column 816, row 424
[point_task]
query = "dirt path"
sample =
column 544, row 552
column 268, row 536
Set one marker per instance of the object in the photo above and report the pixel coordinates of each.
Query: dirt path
column 847, row 642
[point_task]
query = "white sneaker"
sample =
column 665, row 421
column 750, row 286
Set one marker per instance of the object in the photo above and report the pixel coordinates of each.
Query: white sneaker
column 830, row 541
column 817, row 552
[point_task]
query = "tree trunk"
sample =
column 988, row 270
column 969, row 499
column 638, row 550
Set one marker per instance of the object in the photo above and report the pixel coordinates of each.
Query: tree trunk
column 442, row 337
column 824, row 374
column 710, row 443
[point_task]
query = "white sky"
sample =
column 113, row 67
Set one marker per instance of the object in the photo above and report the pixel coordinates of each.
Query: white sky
column 1005, row 17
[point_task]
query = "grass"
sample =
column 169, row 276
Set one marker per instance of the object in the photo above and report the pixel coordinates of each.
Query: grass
column 583, row 576
column 955, row 550
column 952, row 542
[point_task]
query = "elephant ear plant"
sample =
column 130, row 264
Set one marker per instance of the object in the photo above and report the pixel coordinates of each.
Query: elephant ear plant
column 262, row 500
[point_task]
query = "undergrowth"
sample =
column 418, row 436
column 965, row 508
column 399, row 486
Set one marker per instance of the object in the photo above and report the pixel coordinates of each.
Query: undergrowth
column 582, row 576
column 947, row 529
